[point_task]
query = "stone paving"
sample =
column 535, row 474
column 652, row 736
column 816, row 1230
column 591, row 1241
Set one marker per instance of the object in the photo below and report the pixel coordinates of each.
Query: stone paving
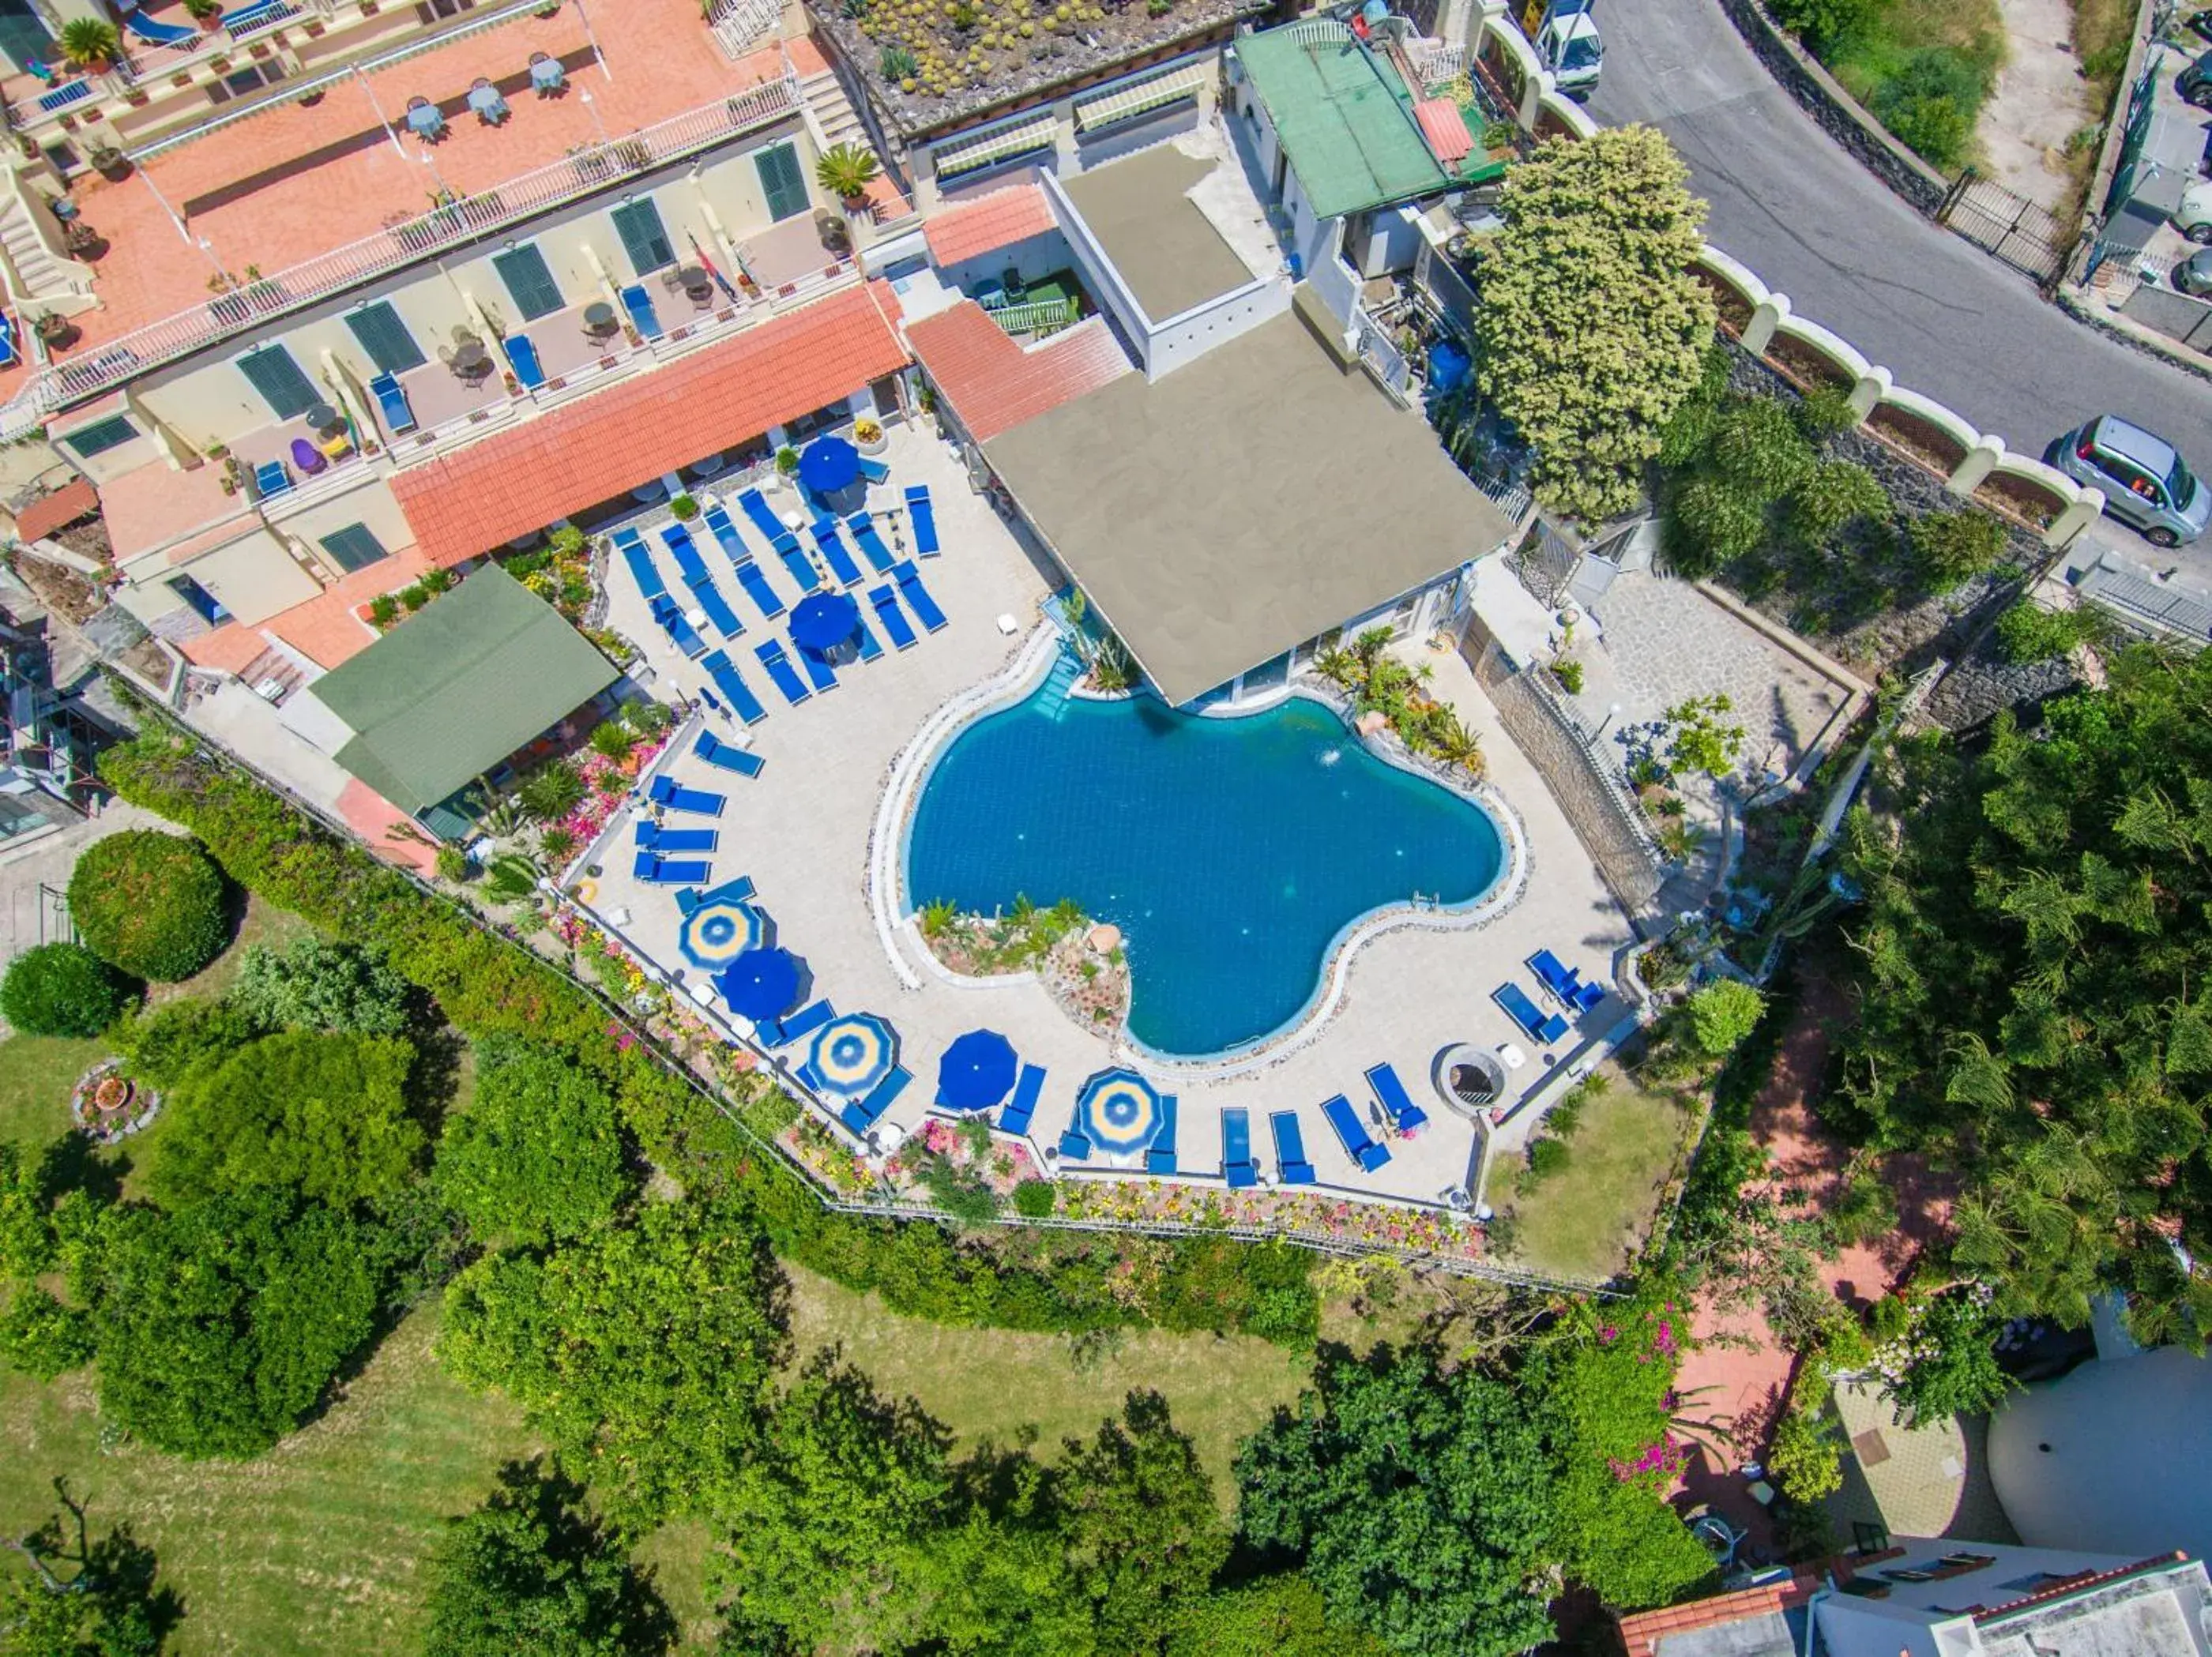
column 1932, row 1480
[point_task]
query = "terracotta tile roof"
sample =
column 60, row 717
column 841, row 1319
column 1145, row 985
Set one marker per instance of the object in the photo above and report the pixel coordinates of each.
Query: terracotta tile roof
column 73, row 500
column 608, row 443
column 993, row 384
column 1445, row 129
column 998, row 220
column 2079, row 1583
column 1640, row 1635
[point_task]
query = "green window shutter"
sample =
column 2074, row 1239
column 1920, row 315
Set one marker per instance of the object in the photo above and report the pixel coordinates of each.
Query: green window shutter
column 781, row 181
column 386, row 339
column 100, row 436
column 530, row 283
column 644, row 238
column 353, row 547
column 271, row 371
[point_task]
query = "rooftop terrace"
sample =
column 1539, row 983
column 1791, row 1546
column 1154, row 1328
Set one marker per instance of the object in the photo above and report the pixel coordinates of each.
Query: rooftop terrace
column 1165, row 245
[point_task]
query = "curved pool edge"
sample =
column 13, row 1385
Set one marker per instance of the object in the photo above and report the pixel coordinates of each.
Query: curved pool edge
column 910, row 771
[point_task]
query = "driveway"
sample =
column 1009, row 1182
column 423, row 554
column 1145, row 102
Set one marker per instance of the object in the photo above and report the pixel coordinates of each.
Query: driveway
column 1789, row 201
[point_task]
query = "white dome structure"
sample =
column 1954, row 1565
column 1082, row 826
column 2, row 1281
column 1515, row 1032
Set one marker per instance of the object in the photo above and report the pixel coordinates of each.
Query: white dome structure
column 2116, row 1457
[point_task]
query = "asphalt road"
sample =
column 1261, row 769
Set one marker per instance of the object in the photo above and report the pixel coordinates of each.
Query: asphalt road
column 1947, row 319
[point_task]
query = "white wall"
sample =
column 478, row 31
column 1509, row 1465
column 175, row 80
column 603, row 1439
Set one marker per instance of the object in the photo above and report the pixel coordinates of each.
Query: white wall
column 1217, row 322
column 373, row 504
column 254, row 577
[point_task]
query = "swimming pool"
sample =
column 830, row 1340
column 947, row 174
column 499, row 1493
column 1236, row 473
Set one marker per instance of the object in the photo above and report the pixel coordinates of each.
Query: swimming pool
column 1232, row 852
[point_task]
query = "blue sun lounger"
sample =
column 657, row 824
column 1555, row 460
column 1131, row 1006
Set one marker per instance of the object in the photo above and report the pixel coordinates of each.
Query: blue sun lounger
column 642, row 316
column 865, row 641
column 693, row 568
column 1557, row 979
column 870, row 543
column 1351, row 1134
column 917, row 596
column 893, row 618
column 1160, row 1154
column 1015, row 1117
column 1534, row 1023
column 654, row 838
column 923, row 518
column 796, row 563
column 1075, row 1144
column 1237, row 1167
column 732, row 683
column 858, row 1115
column 807, row 1019
column 392, row 402
column 833, row 550
column 1397, row 1104
column 874, row 470
column 729, row 891
column 678, row 627
column 672, row 795
column 727, row 756
column 157, row 33
column 781, row 675
column 819, row 673
column 754, row 580
column 754, row 504
column 716, row 517
column 522, row 357
column 642, row 569
column 1291, row 1167
column 656, row 870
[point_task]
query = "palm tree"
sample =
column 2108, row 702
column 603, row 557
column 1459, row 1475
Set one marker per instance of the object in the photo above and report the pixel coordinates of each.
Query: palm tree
column 1456, row 745
column 551, row 792
column 90, row 43
column 1338, row 666
column 936, row 917
column 846, row 171
column 510, row 877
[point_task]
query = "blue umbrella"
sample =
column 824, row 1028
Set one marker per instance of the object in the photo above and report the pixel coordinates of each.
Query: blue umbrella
column 851, row 1055
column 823, row 620
column 1120, row 1110
column 762, row 983
column 719, row 931
column 830, row 464
column 977, row 1071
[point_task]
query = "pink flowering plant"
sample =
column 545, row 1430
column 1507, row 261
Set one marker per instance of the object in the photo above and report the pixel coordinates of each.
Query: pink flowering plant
column 1612, row 1369
column 607, row 782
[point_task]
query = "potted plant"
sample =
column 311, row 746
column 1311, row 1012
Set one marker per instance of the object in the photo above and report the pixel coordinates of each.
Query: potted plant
column 55, row 330
column 685, row 507
column 845, row 170
column 90, row 44
column 111, row 163
column 207, row 14
column 786, row 461
column 868, row 436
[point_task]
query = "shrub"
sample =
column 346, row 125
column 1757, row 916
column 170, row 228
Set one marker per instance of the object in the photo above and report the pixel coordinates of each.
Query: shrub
column 1570, row 676
column 453, row 864
column 61, row 989
column 2029, row 633
column 1956, row 546
column 165, row 1044
column 1035, row 1198
column 1827, row 26
column 1758, row 446
column 1712, row 521
column 150, row 904
column 1804, row 1457
column 611, row 739
column 1547, row 1158
column 1930, row 104
column 320, row 986
column 539, row 1153
column 40, row 1337
column 1829, row 496
column 383, row 610
column 1722, row 1013
column 685, row 508
column 552, row 791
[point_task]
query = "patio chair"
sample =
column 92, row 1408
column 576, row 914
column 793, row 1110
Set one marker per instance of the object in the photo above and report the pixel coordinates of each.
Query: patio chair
column 484, row 98
column 642, row 316
column 424, row 120
column 1555, row 979
column 270, row 477
column 865, row 641
column 874, row 470
column 1015, row 1117
column 807, row 1019
column 796, row 563
column 923, row 516
column 916, row 595
column 833, row 550
column 1237, row 1167
column 819, row 673
column 864, row 531
column 1397, row 1104
column 1533, row 1021
column 654, row 838
column 309, row 460
column 547, row 77
column 727, row 756
column 1351, row 1134
column 1291, row 1167
column 642, row 570
column 655, row 871
column 1160, row 1156
column 673, row 796
column 677, row 626
column 780, row 673
column 747, row 706
column 754, row 580
column 522, row 358
column 893, row 618
column 1017, row 291
column 989, row 293
column 755, row 507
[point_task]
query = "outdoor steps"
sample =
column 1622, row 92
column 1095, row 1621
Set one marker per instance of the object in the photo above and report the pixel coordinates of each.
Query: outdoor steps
column 32, row 264
column 834, row 110
column 274, row 668
column 1065, row 672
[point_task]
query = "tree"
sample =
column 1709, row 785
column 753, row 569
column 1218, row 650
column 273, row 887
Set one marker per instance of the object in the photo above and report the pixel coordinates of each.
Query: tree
column 1591, row 330
column 219, row 1326
column 40, row 1337
column 1937, row 1357
column 150, row 904
column 1722, row 1013
column 1274, row 1617
column 1418, row 1501
column 164, row 1044
column 530, row 1571
column 94, row 1598
column 1699, row 739
column 319, row 986
column 642, row 1352
column 323, row 1116
column 847, row 170
column 1956, row 546
column 61, row 989
column 27, row 1228
column 538, row 1154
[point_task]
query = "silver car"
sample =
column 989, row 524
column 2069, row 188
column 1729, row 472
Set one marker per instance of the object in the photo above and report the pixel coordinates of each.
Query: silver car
column 2145, row 483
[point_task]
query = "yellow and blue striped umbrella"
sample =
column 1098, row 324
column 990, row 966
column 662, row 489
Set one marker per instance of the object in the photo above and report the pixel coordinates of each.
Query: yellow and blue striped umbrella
column 851, row 1055
column 1119, row 1110
column 716, row 933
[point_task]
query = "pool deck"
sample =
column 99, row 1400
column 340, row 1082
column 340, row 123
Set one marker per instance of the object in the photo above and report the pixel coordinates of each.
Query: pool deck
column 802, row 831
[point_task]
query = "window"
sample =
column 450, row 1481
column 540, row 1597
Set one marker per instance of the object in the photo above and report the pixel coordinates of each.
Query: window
column 432, row 11
column 238, row 82
column 202, row 602
column 354, row 547
column 644, row 238
column 781, row 181
column 100, row 436
column 385, row 337
column 528, row 281
column 272, row 373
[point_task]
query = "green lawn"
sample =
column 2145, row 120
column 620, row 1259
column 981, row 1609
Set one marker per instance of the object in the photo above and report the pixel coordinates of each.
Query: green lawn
column 1585, row 1222
column 36, row 1074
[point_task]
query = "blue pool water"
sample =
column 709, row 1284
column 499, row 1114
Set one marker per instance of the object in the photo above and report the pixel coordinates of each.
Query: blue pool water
column 1230, row 852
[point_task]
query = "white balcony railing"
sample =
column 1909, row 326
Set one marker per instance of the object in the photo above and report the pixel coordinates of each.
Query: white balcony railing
column 471, row 217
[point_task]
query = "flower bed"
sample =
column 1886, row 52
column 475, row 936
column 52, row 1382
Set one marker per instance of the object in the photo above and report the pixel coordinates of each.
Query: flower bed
column 109, row 1105
column 1091, row 985
column 606, row 783
column 1135, row 1200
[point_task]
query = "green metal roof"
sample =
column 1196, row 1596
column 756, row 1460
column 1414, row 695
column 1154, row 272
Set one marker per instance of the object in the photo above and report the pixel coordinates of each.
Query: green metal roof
column 1344, row 118
column 457, row 687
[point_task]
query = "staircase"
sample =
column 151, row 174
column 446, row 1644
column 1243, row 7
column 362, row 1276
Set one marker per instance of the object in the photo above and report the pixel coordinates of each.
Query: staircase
column 273, row 676
column 833, row 112
column 1065, row 670
column 740, row 26
column 36, row 273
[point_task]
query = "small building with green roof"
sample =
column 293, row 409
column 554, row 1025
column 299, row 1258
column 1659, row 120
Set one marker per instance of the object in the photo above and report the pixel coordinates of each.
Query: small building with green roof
column 451, row 693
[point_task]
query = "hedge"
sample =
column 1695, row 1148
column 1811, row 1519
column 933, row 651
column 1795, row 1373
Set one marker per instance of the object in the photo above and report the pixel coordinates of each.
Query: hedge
column 150, row 904
column 61, row 989
column 485, row 986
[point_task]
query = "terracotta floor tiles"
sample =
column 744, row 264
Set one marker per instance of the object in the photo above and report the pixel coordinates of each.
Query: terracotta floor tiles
column 232, row 647
column 370, row 816
column 325, row 629
column 153, row 505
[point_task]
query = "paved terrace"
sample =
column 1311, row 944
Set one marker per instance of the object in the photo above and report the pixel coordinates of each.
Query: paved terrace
column 802, row 829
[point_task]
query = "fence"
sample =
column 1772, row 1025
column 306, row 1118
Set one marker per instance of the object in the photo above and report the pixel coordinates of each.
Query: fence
column 2019, row 232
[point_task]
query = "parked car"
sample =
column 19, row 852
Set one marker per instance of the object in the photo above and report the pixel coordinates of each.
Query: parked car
column 2193, row 218
column 2144, row 479
column 2194, row 274
column 2195, row 83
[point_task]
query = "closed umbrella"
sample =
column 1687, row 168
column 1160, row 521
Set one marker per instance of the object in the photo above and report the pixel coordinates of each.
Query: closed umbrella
column 822, row 621
column 1120, row 1110
column 762, row 983
column 977, row 1071
column 830, row 464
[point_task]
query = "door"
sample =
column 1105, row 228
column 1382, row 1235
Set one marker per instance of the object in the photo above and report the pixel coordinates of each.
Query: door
column 782, row 182
column 645, row 238
column 530, row 283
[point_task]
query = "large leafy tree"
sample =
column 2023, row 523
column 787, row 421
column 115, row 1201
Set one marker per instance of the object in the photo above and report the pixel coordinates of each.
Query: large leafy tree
column 78, row 1596
column 2032, row 1006
column 1275, row 1617
column 538, row 1152
column 1418, row 1501
column 530, row 1571
column 1592, row 331
column 642, row 1352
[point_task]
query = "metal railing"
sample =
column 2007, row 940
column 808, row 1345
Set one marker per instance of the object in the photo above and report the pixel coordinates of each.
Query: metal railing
column 1042, row 317
column 580, row 173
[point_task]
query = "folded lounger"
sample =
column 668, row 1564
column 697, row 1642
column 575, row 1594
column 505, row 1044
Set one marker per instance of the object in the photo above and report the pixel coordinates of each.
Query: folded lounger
column 874, row 470
column 781, row 675
column 1587, row 996
column 796, row 563
column 391, row 401
column 1534, row 1023
column 732, row 683
column 1397, row 1104
column 677, row 626
column 833, row 550
column 1352, row 1134
column 654, row 838
column 642, row 569
column 893, row 618
column 728, row 756
column 1015, row 1117
column 917, row 596
column 522, row 357
column 923, row 518
column 1075, row 1144
column 673, row 796
column 754, row 580
column 1160, row 1156
column 1290, row 1164
column 642, row 316
column 693, row 568
column 1237, row 1167
column 870, row 543
column 807, row 1019
column 656, row 870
